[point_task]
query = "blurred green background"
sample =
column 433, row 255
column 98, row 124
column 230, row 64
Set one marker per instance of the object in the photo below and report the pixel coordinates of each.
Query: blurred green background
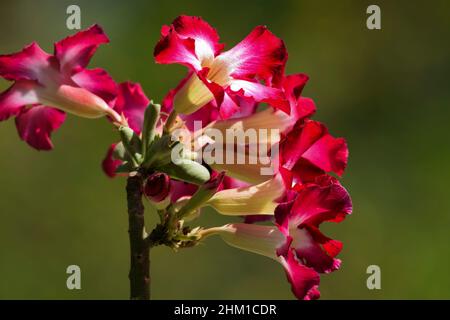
column 386, row 92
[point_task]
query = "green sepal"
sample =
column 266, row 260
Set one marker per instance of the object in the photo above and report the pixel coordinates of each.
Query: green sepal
column 125, row 168
column 132, row 144
column 201, row 196
column 151, row 117
column 119, row 152
column 160, row 152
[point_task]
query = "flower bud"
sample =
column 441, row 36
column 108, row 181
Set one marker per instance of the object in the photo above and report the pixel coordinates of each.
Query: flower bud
column 157, row 187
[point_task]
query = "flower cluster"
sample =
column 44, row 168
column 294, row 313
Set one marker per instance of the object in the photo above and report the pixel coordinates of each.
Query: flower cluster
column 243, row 88
column 224, row 90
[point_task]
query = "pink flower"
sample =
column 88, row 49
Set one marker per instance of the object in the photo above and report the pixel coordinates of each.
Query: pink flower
column 46, row 86
column 222, row 76
column 299, row 219
column 296, row 241
column 265, row 192
column 275, row 123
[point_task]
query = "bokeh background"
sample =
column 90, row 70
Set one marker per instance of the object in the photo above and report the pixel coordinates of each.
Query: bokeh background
column 386, row 91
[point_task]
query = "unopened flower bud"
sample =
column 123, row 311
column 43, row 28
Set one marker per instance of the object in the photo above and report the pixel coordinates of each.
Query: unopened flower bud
column 157, row 187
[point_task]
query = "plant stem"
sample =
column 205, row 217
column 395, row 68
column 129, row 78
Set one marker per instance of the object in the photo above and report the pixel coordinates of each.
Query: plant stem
column 139, row 248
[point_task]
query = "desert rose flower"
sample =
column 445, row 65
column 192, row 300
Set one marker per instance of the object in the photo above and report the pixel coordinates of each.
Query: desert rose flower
column 222, row 76
column 296, row 241
column 265, row 128
column 299, row 220
column 46, row 86
column 266, row 241
column 256, row 194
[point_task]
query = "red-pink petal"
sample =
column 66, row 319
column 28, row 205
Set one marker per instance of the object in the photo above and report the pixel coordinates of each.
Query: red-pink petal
column 229, row 106
column 304, row 171
column 231, row 183
column 28, row 64
column 109, row 163
column 97, row 81
column 254, row 218
column 261, row 93
column 16, row 97
column 299, row 140
column 75, row 51
column 189, row 41
column 329, row 154
column 172, row 48
column 312, row 249
column 330, row 246
column 305, row 107
column 282, row 216
column 311, row 141
column 132, row 102
column 36, row 124
column 312, row 204
column 180, row 189
column 198, row 29
column 205, row 116
column 236, row 105
column 293, row 86
column 247, row 106
column 304, row 281
column 260, row 54
column 318, row 203
column 217, row 90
